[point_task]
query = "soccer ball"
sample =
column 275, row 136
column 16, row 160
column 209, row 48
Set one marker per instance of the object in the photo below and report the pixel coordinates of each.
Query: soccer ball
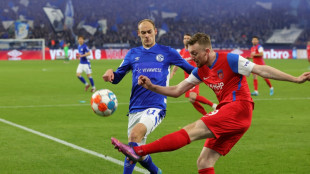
column 104, row 102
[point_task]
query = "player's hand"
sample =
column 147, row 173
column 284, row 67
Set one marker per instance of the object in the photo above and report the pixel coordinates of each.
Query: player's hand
column 304, row 77
column 78, row 56
column 108, row 76
column 144, row 81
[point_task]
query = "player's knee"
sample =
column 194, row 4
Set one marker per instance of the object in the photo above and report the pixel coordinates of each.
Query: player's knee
column 192, row 97
column 135, row 136
column 191, row 100
column 204, row 162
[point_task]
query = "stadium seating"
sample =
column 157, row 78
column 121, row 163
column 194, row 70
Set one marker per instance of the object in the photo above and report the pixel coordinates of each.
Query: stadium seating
column 229, row 23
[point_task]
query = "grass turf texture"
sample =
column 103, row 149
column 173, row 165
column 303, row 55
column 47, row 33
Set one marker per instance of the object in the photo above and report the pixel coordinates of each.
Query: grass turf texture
column 277, row 142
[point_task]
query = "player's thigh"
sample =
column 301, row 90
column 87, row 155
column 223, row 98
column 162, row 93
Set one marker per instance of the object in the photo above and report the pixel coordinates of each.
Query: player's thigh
column 79, row 70
column 207, row 158
column 198, row 130
column 150, row 118
column 88, row 69
column 137, row 133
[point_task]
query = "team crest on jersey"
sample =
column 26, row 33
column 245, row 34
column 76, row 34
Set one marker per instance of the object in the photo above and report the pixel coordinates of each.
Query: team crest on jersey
column 220, row 74
column 160, row 57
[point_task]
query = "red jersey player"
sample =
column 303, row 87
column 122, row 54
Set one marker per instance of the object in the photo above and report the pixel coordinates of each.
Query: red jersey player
column 225, row 75
column 257, row 53
column 193, row 93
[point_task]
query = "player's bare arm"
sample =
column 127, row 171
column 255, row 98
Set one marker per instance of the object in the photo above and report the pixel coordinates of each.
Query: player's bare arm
column 108, row 76
column 171, row 91
column 269, row 72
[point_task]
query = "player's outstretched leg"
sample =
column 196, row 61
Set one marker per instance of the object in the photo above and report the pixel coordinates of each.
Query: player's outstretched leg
column 126, row 150
column 169, row 142
column 128, row 164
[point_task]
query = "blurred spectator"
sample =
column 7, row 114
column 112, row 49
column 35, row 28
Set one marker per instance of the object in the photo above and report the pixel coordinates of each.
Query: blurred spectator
column 230, row 24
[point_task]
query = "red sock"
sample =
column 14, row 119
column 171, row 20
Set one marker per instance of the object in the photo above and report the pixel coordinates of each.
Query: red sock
column 255, row 84
column 209, row 170
column 268, row 83
column 202, row 99
column 199, row 108
column 169, row 142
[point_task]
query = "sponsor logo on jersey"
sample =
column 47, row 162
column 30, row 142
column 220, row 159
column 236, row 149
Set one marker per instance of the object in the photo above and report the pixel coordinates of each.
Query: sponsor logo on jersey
column 205, row 78
column 246, row 63
column 138, row 70
column 217, row 87
column 160, row 57
column 146, row 70
column 220, row 74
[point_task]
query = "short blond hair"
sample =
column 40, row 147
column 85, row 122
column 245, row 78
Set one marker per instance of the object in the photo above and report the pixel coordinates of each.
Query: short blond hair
column 147, row 20
column 200, row 38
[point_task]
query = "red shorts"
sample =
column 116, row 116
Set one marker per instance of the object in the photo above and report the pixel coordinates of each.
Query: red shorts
column 195, row 89
column 259, row 61
column 228, row 124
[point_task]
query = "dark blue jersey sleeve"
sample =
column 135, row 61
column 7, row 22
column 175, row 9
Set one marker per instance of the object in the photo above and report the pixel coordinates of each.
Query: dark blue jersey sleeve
column 122, row 69
column 179, row 61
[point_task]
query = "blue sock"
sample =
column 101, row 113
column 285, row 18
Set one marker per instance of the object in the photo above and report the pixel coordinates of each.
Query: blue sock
column 82, row 79
column 128, row 168
column 91, row 81
column 149, row 165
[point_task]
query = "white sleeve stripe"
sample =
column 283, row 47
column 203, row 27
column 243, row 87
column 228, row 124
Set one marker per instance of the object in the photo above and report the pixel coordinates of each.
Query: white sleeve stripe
column 245, row 66
column 193, row 80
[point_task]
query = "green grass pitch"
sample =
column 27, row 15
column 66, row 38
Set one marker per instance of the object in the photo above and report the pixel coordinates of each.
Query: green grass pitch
column 46, row 96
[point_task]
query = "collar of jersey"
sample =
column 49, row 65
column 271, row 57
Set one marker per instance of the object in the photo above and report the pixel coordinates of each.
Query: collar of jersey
column 217, row 55
column 149, row 48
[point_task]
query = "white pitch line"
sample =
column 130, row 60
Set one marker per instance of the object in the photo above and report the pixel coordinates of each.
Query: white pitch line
column 105, row 157
column 182, row 101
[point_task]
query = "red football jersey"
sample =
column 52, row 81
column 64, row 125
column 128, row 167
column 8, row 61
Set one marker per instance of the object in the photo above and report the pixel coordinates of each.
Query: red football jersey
column 256, row 50
column 186, row 55
column 226, row 77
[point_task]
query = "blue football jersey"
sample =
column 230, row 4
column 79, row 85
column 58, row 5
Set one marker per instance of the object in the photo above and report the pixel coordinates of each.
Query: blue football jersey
column 155, row 64
column 82, row 50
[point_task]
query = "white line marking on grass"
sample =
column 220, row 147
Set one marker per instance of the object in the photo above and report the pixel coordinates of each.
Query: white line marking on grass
column 105, row 157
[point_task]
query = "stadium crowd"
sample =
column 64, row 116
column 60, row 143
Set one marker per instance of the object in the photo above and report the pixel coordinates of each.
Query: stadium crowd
column 230, row 24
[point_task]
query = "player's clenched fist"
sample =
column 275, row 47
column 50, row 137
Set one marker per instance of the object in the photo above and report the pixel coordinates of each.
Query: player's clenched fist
column 108, row 76
column 304, row 77
column 144, row 81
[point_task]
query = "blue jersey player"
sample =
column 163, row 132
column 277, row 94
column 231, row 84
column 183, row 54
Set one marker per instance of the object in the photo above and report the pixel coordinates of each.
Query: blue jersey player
column 84, row 65
column 146, row 108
